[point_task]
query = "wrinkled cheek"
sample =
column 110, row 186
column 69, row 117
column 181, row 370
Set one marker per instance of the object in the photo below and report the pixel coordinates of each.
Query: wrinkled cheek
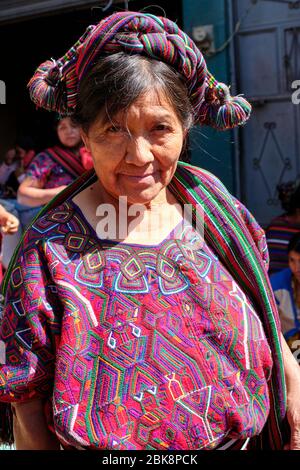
column 167, row 174
column 108, row 159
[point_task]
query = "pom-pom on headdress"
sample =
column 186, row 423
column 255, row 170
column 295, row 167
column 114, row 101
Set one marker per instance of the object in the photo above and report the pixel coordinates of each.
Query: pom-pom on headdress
column 55, row 84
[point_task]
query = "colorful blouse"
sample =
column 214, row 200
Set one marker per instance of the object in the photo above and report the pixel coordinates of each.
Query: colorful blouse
column 136, row 347
column 49, row 172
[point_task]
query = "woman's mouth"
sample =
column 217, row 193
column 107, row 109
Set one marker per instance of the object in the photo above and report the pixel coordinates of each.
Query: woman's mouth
column 142, row 178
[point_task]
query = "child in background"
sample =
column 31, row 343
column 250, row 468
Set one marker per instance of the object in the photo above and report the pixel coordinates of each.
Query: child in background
column 286, row 287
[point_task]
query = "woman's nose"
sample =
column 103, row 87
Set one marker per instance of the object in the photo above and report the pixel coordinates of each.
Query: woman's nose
column 139, row 151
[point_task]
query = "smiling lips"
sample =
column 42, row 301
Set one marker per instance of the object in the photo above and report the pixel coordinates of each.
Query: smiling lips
column 139, row 177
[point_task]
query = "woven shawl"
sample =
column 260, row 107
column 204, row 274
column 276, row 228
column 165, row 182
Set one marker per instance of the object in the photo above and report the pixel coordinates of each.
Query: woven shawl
column 231, row 235
column 233, row 239
column 67, row 159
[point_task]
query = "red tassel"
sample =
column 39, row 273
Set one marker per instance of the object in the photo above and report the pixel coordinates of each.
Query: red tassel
column 46, row 89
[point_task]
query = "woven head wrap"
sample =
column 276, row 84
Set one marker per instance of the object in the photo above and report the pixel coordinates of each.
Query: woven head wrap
column 55, row 84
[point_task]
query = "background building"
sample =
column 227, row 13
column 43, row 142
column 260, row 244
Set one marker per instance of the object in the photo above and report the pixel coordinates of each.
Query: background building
column 251, row 44
column 267, row 63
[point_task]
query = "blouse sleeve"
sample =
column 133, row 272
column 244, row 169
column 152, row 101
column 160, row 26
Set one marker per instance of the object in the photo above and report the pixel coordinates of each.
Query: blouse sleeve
column 40, row 168
column 30, row 327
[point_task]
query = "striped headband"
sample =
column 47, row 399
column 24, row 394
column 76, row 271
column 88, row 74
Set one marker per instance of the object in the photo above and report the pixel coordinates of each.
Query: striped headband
column 55, row 83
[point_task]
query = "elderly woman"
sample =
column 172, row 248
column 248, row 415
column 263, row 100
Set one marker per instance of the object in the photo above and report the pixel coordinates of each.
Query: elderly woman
column 124, row 327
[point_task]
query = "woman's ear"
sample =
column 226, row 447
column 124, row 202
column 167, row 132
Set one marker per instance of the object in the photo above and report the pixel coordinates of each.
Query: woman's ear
column 185, row 138
column 85, row 139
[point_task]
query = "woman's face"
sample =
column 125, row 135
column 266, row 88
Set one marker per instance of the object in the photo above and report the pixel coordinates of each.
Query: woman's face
column 10, row 156
column 294, row 263
column 136, row 155
column 68, row 133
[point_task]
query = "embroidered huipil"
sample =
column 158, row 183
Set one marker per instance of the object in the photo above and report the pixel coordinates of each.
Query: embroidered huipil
column 50, row 173
column 136, row 347
column 57, row 166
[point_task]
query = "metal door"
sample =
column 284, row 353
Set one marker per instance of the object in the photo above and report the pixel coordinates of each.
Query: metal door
column 268, row 62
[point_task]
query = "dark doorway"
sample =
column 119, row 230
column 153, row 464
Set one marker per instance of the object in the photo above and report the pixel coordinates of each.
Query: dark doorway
column 24, row 45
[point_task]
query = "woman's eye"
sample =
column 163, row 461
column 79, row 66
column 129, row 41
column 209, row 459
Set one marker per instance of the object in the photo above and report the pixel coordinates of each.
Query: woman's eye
column 115, row 129
column 161, row 127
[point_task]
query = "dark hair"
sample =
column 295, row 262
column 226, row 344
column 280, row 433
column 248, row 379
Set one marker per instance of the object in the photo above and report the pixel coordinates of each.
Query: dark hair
column 117, row 80
column 294, row 244
column 26, row 142
column 58, row 118
column 285, row 191
column 294, row 203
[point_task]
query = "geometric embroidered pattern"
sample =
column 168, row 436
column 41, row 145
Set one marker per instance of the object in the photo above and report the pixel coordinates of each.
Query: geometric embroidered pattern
column 134, row 347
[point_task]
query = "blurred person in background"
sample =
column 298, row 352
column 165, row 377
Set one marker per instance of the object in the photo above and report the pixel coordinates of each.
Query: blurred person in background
column 12, row 170
column 8, row 222
column 9, row 226
column 25, row 147
column 282, row 228
column 43, row 177
column 53, row 169
column 286, row 287
column 7, row 167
